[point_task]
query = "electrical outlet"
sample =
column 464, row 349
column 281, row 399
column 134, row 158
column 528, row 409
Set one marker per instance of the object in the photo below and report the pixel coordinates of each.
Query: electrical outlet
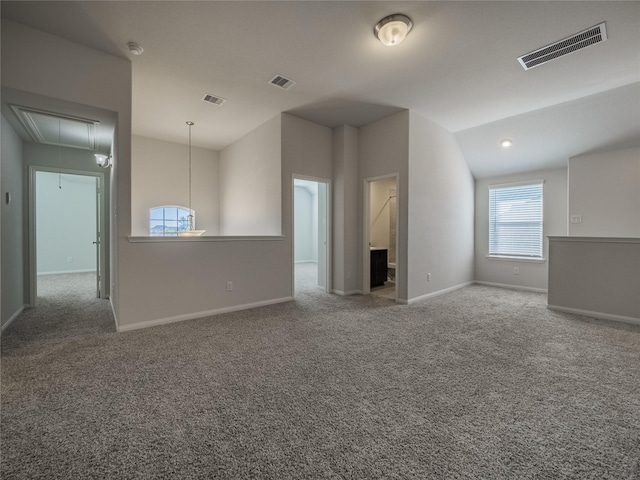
column 428, row 277
column 516, row 270
column 576, row 218
column 348, row 274
column 229, row 286
column 69, row 259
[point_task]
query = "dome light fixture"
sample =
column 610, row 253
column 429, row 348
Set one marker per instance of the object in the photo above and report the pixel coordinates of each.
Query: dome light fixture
column 506, row 143
column 392, row 30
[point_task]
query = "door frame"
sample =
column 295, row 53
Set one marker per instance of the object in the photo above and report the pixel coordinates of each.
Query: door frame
column 366, row 240
column 328, row 231
column 101, row 260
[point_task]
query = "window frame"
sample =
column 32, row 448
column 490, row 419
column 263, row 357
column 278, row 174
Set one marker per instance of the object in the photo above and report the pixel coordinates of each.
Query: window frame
column 511, row 255
column 164, row 220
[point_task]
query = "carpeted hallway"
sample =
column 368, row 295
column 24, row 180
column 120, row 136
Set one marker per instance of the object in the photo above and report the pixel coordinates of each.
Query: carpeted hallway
column 478, row 383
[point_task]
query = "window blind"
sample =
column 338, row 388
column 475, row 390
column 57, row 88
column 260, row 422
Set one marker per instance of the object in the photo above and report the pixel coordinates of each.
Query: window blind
column 515, row 220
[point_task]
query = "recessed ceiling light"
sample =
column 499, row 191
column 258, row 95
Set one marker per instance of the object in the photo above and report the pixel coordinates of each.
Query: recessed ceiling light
column 392, row 30
column 506, row 143
column 134, row 48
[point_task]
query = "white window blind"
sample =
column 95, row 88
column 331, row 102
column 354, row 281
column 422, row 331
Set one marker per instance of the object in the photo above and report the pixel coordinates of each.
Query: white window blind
column 515, row 220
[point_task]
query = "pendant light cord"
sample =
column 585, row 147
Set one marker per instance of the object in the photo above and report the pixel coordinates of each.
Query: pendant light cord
column 191, row 226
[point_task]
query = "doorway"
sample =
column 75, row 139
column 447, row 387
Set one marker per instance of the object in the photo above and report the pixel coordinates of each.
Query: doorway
column 66, row 231
column 381, row 234
column 311, row 235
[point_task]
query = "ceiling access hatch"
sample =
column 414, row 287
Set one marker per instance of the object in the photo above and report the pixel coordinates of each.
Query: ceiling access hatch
column 56, row 129
column 586, row 38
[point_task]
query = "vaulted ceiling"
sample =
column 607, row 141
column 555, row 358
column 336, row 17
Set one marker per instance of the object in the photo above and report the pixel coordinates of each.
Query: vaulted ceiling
column 458, row 67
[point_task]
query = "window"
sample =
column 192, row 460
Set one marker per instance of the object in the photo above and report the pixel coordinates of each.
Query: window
column 515, row 220
column 167, row 221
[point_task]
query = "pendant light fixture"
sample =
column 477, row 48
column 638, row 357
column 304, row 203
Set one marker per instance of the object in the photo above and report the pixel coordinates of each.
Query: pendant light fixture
column 191, row 231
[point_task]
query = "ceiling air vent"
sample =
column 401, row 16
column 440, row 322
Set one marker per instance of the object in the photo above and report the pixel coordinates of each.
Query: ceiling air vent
column 213, row 99
column 566, row 46
column 282, row 82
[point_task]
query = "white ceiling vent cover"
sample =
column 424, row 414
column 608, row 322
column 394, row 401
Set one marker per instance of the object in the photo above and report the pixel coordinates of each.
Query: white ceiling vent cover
column 282, row 82
column 213, row 99
column 580, row 40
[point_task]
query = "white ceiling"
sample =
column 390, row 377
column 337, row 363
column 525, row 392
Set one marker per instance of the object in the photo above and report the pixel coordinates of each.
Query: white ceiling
column 457, row 68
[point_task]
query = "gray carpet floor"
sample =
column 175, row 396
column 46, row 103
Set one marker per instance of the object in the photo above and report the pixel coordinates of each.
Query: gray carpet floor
column 478, row 383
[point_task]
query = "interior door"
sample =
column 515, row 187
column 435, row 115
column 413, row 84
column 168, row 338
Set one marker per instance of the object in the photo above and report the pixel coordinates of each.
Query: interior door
column 97, row 242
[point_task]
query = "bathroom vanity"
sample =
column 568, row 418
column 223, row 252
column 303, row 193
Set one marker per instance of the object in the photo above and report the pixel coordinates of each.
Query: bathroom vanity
column 378, row 266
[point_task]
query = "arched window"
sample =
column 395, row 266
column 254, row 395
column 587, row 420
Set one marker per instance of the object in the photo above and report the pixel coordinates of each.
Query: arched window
column 168, row 220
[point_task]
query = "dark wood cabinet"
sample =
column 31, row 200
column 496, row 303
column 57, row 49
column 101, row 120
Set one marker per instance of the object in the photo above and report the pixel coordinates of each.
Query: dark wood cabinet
column 378, row 267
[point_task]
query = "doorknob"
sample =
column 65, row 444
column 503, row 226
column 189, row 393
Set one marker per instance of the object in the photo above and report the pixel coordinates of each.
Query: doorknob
column 95, row 243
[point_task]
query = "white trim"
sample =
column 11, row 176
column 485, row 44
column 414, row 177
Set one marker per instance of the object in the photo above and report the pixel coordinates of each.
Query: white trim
column 344, row 294
column 68, row 271
column 113, row 311
column 434, row 294
column 594, row 239
column 366, row 232
column 13, row 317
column 516, row 184
column 589, row 313
column 328, row 230
column 139, row 239
column 517, row 259
column 512, row 287
column 298, row 262
column 206, row 313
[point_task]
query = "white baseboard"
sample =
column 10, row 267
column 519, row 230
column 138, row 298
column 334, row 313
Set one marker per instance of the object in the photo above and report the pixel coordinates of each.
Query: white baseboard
column 433, row 294
column 13, row 317
column 306, row 261
column 589, row 313
column 511, row 287
column 91, row 270
column 207, row 313
column 347, row 293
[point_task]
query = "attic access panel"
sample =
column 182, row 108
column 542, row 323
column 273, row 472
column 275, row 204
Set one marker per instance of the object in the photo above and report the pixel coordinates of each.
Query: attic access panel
column 56, row 129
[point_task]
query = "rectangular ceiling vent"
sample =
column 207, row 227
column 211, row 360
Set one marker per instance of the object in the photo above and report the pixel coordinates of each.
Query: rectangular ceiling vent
column 282, row 82
column 586, row 38
column 213, row 99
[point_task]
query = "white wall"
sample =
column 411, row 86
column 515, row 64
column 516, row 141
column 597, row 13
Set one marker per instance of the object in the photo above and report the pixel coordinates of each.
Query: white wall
column 441, row 199
column 532, row 275
column 46, row 65
column 160, row 176
column 604, row 189
column 306, row 151
column 383, row 150
column 78, row 160
column 345, row 210
column 65, row 223
column 250, row 183
column 12, row 259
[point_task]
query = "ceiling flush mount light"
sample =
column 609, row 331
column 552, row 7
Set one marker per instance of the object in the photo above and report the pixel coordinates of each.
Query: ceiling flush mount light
column 102, row 160
column 506, row 143
column 134, row 48
column 392, row 30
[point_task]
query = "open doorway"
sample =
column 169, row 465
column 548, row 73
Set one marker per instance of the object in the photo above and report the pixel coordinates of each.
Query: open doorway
column 381, row 236
column 66, row 226
column 311, row 234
